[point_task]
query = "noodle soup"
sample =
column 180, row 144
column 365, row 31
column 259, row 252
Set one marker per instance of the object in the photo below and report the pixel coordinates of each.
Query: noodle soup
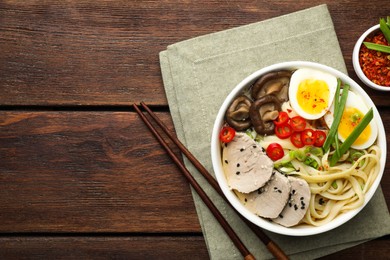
column 286, row 153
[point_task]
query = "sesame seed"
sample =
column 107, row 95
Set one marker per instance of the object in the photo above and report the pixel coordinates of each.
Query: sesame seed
column 238, row 173
column 226, row 161
column 238, row 165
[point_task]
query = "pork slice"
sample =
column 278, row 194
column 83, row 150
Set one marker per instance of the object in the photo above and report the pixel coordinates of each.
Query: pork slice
column 297, row 205
column 246, row 166
column 269, row 201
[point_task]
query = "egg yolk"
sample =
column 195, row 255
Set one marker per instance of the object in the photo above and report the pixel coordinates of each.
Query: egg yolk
column 350, row 119
column 313, row 95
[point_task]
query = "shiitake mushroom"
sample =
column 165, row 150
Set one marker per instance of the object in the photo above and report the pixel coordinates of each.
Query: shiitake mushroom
column 262, row 113
column 237, row 115
column 268, row 93
column 273, row 83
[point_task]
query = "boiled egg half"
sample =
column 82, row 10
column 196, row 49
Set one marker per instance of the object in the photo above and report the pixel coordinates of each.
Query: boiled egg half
column 311, row 92
column 354, row 111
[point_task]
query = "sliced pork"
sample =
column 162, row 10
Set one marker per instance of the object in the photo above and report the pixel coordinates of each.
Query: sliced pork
column 269, row 201
column 246, row 166
column 297, row 205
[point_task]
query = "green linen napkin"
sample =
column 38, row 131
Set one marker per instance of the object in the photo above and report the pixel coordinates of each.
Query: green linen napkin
column 199, row 73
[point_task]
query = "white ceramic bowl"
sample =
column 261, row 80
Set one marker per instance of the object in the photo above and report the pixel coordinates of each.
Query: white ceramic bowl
column 356, row 64
column 301, row 230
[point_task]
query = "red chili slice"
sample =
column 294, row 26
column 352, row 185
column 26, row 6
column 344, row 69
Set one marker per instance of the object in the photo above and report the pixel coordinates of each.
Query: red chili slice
column 283, row 131
column 298, row 123
column 227, row 134
column 320, row 138
column 282, row 118
column 275, row 151
column 297, row 140
column 308, row 137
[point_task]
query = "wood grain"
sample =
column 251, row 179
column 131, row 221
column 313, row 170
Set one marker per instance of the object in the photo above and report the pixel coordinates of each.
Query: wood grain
column 136, row 247
column 106, row 52
column 71, row 155
column 81, row 172
column 121, row 247
column 375, row 249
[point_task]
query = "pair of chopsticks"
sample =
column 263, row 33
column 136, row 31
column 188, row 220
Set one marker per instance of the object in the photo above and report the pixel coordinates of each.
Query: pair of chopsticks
column 271, row 246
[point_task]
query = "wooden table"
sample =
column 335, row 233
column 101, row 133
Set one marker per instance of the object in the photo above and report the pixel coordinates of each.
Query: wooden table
column 80, row 175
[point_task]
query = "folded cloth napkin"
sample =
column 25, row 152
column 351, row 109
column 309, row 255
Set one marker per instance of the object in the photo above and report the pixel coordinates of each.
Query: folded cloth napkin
column 199, row 73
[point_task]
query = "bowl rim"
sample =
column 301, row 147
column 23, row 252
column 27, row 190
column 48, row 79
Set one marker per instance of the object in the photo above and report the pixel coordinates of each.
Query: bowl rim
column 233, row 199
column 356, row 63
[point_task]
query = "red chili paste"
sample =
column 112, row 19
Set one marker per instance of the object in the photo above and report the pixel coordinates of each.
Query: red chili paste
column 376, row 64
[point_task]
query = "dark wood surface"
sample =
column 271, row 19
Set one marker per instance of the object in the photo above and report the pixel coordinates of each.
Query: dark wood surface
column 80, row 176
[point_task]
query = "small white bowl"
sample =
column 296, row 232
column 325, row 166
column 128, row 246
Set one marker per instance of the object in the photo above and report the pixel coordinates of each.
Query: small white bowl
column 356, row 64
column 300, row 230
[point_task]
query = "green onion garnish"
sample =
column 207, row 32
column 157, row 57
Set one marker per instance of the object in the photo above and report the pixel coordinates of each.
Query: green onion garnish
column 385, row 29
column 338, row 112
column 384, row 26
column 352, row 137
column 377, row 47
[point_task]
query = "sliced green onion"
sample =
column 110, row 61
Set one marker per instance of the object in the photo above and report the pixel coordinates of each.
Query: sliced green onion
column 352, row 137
column 355, row 117
column 339, row 109
column 385, row 29
column 286, row 169
column 377, row 47
column 337, row 96
column 299, row 154
column 317, row 151
column 336, row 106
column 354, row 155
column 336, row 142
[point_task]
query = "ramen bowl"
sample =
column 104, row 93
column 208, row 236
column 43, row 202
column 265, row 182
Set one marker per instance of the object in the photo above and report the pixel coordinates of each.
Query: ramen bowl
column 234, row 200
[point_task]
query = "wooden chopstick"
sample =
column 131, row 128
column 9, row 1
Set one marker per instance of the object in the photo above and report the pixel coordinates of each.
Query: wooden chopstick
column 272, row 247
column 225, row 225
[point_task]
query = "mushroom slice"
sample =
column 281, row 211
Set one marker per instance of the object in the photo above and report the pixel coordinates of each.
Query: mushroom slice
column 268, row 111
column 246, row 166
column 262, row 113
column 275, row 83
column 270, row 200
column 297, row 205
column 237, row 115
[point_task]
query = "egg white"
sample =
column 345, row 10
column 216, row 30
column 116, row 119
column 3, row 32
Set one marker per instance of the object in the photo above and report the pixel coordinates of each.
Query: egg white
column 303, row 74
column 354, row 101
